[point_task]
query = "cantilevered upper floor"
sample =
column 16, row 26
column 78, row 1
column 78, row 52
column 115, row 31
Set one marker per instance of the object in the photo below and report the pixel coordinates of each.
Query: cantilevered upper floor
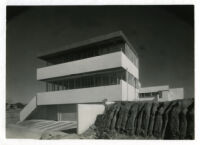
column 95, row 46
column 96, row 54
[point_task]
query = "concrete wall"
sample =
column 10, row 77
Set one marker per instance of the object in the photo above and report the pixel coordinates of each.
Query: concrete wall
column 165, row 96
column 107, row 61
column 87, row 114
column 121, row 92
column 129, row 66
column 84, row 95
column 129, row 93
column 97, row 63
column 176, row 93
column 89, row 95
column 28, row 109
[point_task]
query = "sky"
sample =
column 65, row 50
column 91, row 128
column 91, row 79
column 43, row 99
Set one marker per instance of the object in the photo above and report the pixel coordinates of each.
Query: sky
column 164, row 42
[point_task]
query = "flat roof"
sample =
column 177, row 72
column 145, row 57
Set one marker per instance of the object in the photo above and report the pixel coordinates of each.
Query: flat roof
column 153, row 89
column 119, row 35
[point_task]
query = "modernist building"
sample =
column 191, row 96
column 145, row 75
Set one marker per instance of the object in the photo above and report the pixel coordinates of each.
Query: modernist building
column 80, row 76
column 160, row 93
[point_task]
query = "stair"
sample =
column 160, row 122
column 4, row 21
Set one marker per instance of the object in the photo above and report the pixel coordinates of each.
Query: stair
column 28, row 109
column 49, row 125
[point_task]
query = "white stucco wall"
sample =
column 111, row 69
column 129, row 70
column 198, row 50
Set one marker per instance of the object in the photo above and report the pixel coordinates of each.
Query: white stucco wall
column 107, row 61
column 89, row 95
column 84, row 95
column 87, row 114
column 97, row 63
column 28, row 109
column 165, row 96
column 176, row 93
column 129, row 93
column 129, row 66
column 164, row 90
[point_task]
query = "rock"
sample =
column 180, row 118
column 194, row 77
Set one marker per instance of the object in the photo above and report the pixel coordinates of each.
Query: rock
column 152, row 118
column 183, row 123
column 139, row 118
column 122, row 111
column 145, row 119
column 186, row 103
column 110, row 116
column 114, row 120
column 174, row 121
column 125, row 117
column 130, row 127
column 53, row 135
column 90, row 133
column 166, row 118
column 100, row 123
column 158, row 121
column 190, row 121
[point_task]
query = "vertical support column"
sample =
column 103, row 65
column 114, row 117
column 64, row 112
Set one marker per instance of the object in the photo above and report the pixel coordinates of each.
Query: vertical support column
column 135, row 79
column 127, row 82
column 59, row 115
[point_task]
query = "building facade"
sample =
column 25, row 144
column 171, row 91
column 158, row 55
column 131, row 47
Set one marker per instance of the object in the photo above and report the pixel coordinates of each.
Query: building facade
column 105, row 67
column 79, row 77
column 99, row 65
column 160, row 93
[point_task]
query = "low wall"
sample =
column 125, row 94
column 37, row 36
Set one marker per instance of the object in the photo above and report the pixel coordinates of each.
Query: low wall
column 87, row 114
column 28, row 109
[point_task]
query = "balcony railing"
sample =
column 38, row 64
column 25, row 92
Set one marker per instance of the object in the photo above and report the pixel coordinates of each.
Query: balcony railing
column 120, row 92
column 103, row 62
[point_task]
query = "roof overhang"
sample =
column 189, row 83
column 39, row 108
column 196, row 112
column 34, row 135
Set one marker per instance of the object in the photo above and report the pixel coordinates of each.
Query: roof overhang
column 116, row 36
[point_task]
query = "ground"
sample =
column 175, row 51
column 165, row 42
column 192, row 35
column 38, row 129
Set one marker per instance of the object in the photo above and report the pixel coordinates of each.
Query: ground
column 15, row 130
column 165, row 120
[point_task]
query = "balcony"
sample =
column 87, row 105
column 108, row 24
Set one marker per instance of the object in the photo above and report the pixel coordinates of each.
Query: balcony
column 107, row 61
column 120, row 92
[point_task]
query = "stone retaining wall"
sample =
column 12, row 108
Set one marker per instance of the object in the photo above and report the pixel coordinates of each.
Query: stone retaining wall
column 161, row 120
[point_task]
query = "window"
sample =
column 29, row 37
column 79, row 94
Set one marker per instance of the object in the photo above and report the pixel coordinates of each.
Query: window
column 154, row 93
column 99, row 79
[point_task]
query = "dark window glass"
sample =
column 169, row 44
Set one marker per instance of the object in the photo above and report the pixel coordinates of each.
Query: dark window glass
column 93, row 80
